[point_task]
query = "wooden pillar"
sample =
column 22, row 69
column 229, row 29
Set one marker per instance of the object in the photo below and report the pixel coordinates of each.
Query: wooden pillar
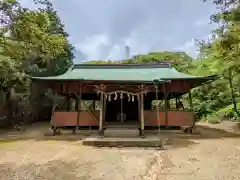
column 53, row 110
column 121, row 99
column 176, row 101
column 142, row 115
column 53, row 124
column 139, row 109
column 157, row 88
column 68, row 103
column 76, row 104
column 79, row 102
column 166, row 105
column 139, row 114
column 101, row 114
column 191, row 106
column 105, row 109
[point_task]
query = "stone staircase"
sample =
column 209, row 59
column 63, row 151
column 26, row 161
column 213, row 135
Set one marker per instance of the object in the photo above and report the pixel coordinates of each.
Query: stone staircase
column 123, row 135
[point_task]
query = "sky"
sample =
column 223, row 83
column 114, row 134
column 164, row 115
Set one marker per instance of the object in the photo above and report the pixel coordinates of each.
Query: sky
column 100, row 29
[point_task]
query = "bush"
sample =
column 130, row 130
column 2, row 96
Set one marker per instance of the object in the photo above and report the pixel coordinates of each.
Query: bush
column 213, row 119
column 226, row 113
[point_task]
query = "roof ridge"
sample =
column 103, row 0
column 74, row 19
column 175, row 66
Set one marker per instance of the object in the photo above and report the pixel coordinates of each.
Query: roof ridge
column 122, row 66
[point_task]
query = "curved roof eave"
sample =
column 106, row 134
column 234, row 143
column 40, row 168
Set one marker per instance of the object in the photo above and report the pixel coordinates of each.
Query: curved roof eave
column 210, row 77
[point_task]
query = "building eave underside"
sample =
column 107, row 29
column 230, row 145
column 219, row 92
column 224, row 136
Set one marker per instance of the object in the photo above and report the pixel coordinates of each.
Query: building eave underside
column 196, row 81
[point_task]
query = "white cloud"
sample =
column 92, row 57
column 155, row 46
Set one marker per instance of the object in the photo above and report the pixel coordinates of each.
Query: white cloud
column 103, row 30
column 91, row 46
column 189, row 47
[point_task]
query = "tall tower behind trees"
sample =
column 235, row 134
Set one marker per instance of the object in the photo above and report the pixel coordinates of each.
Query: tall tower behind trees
column 127, row 52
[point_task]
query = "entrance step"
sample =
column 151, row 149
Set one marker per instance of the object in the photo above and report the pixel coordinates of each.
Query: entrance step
column 152, row 141
column 121, row 132
column 127, row 126
column 119, row 125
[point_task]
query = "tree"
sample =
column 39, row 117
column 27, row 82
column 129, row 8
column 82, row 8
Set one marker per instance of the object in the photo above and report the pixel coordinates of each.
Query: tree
column 220, row 56
column 32, row 42
column 32, row 37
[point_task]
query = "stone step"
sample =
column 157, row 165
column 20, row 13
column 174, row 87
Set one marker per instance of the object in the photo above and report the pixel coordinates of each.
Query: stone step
column 124, row 142
column 121, row 132
column 122, row 125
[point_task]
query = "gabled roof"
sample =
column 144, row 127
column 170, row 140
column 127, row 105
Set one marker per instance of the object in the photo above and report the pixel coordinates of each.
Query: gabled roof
column 123, row 72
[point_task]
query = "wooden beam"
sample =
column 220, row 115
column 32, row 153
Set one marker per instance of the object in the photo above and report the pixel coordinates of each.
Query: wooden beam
column 101, row 114
column 176, row 101
column 165, row 101
column 142, row 115
column 105, row 109
column 191, row 106
column 157, row 87
column 139, row 109
column 79, row 106
column 52, row 122
column 190, row 100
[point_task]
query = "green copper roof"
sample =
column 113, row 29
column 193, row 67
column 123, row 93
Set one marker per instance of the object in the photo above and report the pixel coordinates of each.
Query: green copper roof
column 119, row 72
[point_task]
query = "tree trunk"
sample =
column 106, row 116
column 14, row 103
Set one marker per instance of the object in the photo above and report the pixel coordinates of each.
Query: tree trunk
column 232, row 92
column 9, row 95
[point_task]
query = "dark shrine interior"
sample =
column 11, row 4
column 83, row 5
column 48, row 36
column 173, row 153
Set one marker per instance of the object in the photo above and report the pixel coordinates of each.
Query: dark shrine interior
column 130, row 109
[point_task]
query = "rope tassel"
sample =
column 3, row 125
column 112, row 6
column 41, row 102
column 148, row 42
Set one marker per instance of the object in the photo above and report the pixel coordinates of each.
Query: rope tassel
column 129, row 98
column 115, row 98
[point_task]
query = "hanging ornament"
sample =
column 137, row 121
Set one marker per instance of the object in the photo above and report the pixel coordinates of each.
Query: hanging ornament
column 129, row 98
column 132, row 98
column 121, row 95
column 109, row 97
column 106, row 96
column 115, row 98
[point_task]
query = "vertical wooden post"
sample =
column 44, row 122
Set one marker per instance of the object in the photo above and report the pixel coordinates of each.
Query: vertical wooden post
column 191, row 106
column 68, row 103
column 176, row 101
column 139, row 108
column 121, row 99
column 166, row 105
column 105, row 109
column 53, row 124
column 76, row 104
column 190, row 100
column 101, row 113
column 79, row 106
column 139, row 114
column 142, row 113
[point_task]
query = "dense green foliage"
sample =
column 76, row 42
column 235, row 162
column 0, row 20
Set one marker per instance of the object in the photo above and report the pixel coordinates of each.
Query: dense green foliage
column 32, row 42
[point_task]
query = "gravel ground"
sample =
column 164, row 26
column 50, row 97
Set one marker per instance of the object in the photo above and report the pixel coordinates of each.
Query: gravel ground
column 213, row 155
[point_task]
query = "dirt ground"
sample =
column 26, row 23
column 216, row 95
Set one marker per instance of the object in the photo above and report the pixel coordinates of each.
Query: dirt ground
column 214, row 154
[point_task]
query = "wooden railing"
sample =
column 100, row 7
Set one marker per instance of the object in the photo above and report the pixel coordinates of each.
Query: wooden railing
column 174, row 118
column 69, row 118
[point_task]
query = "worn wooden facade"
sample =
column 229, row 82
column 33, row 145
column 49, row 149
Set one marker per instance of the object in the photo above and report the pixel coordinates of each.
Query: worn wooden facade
column 106, row 95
